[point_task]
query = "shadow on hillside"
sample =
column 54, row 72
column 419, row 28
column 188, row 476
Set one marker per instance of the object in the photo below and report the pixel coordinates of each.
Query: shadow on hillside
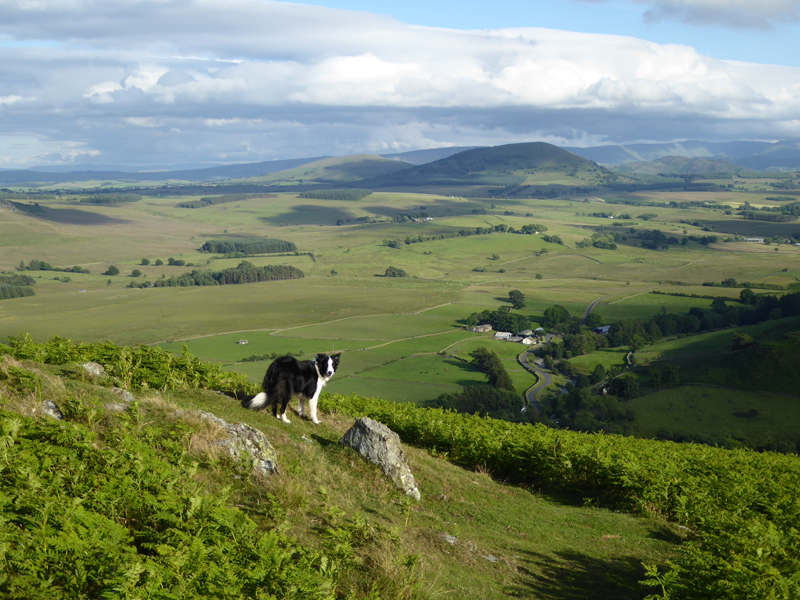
column 308, row 214
column 67, row 216
column 575, row 576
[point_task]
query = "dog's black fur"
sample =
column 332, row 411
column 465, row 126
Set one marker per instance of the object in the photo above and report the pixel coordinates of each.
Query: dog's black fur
column 287, row 377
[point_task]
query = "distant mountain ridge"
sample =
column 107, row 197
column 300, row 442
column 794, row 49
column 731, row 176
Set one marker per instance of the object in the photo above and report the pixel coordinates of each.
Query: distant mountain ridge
column 441, row 164
column 680, row 165
column 762, row 156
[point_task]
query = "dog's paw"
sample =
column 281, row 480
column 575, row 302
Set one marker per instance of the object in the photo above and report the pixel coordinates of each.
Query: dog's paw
column 284, row 419
column 316, row 421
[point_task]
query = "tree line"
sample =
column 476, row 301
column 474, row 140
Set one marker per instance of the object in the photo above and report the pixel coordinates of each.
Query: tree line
column 502, row 228
column 248, row 246
column 111, row 198
column 344, row 194
column 245, row 272
column 40, row 265
column 224, row 199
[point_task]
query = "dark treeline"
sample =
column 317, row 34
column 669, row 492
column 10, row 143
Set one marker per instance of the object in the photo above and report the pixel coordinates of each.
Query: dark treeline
column 15, row 291
column 40, row 265
column 502, row 228
column 776, row 214
column 345, row 194
column 244, row 273
column 249, row 246
column 224, row 199
column 17, row 279
column 486, row 400
column 111, row 198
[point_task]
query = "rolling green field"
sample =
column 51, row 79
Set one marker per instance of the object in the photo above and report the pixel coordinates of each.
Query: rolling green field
column 389, row 328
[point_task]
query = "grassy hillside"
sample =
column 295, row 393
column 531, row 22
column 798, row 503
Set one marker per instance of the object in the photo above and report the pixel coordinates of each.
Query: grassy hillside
column 339, row 170
column 682, row 165
column 330, row 526
column 529, row 164
column 145, row 504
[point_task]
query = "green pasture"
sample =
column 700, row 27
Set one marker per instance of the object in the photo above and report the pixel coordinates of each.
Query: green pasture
column 386, row 327
column 719, row 412
column 607, row 357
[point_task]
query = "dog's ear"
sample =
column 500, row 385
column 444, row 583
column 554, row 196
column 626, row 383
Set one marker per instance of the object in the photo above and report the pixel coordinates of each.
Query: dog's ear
column 335, row 358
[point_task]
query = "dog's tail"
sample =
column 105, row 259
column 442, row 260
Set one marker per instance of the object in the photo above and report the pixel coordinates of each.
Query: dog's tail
column 256, row 401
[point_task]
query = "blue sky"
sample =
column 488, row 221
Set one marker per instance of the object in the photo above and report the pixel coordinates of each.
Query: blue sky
column 776, row 42
column 201, row 82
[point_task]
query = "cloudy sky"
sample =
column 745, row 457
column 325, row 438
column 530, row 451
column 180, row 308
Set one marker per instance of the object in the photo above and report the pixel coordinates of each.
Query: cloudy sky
column 202, row 82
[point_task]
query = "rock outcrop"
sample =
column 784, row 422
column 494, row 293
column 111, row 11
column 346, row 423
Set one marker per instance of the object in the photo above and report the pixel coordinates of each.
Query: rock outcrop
column 381, row 446
column 247, row 441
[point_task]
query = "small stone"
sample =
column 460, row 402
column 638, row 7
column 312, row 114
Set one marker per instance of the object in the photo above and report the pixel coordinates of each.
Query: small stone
column 490, row 558
column 125, row 395
column 246, row 440
column 450, row 539
column 51, row 409
column 94, row 370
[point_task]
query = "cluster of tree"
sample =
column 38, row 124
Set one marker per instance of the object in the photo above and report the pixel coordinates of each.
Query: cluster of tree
column 490, row 365
column 606, row 241
column 111, row 198
column 345, row 194
column 648, row 216
column 517, row 299
column 665, row 377
column 15, row 291
column 501, row 319
column 40, row 265
column 267, row 356
column 553, row 239
column 582, row 408
column 224, row 199
column 395, row 272
column 248, row 246
column 244, row 273
column 532, row 228
column 486, row 400
column 405, row 217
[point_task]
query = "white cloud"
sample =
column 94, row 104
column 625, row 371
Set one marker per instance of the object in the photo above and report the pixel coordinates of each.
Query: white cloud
column 255, row 79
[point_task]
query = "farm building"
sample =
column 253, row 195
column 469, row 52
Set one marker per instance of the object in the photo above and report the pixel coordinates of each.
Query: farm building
column 501, row 335
column 242, row 342
column 603, row 329
column 481, row 328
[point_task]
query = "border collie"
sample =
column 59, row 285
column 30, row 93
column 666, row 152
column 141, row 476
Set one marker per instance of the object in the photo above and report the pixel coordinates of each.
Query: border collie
column 287, row 377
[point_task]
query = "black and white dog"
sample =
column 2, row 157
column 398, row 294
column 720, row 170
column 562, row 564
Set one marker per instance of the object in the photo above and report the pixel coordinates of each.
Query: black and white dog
column 287, row 377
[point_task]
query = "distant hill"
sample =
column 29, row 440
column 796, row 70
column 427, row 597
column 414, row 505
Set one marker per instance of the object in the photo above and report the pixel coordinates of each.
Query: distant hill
column 421, row 157
column 525, row 165
column 16, row 177
column 339, row 170
column 762, row 156
column 680, row 165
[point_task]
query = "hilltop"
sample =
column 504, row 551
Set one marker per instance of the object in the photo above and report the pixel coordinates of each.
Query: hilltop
column 339, row 170
column 517, row 167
